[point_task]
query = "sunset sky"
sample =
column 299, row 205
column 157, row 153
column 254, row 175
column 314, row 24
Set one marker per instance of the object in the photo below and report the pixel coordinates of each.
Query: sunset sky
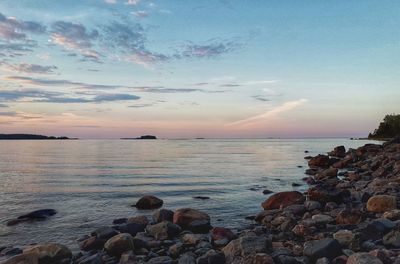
column 119, row 68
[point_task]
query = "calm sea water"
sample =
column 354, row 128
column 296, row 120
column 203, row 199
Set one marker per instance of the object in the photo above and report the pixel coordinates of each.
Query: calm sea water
column 92, row 182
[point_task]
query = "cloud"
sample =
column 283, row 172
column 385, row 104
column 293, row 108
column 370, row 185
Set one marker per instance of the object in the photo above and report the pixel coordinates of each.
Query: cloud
column 3, row 106
column 41, row 96
column 132, row 2
column 146, row 104
column 30, row 68
column 140, row 14
column 212, row 49
column 273, row 113
column 13, row 29
column 75, row 37
column 261, row 98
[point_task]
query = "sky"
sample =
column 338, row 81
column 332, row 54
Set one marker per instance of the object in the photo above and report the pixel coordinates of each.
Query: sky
column 184, row 69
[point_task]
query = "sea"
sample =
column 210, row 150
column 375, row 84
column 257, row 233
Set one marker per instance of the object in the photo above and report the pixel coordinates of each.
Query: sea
column 92, row 182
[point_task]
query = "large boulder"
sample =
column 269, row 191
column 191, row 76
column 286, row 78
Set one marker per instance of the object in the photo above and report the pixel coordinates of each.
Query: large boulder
column 164, row 230
column 192, row 219
column 245, row 246
column 149, row 202
column 283, row 199
column 49, row 253
column 381, row 203
column 339, row 152
column 319, row 161
column 118, row 244
column 327, row 247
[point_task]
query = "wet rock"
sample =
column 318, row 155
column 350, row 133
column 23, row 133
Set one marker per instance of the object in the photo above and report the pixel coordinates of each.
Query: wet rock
column 34, row 215
column 392, row 215
column 201, row 197
column 326, row 247
column 23, row 259
column 149, row 202
column 131, row 228
column 105, row 232
column 349, row 217
column 325, row 174
column 319, row 161
column 267, row 192
column 120, row 221
column 381, row 203
column 283, row 199
column 118, row 244
column 164, row 230
column 192, row 219
column 246, row 245
column 377, row 229
column 163, row 215
column 49, row 253
column 363, row 258
column 92, row 243
column 10, row 251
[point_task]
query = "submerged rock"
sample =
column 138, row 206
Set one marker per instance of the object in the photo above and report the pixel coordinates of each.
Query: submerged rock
column 34, row 215
column 149, row 202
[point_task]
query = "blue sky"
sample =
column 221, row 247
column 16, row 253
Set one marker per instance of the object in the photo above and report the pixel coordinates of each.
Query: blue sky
column 117, row 68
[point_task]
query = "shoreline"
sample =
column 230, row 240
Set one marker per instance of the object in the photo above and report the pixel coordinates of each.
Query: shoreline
column 343, row 210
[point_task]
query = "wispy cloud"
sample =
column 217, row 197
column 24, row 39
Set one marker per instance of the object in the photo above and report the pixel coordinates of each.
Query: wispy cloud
column 28, row 68
column 211, row 49
column 273, row 113
column 261, row 98
column 3, row 106
column 14, row 29
column 140, row 14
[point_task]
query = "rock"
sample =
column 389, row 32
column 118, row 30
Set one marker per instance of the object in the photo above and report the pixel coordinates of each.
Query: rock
column 23, row 259
column 267, row 192
column 392, row 215
column 175, row 250
column 283, row 199
column 141, row 220
column 161, row 260
column 92, row 243
column 200, row 226
column 349, row 217
column 34, row 215
column 259, row 258
column 319, row 161
column 246, row 245
column 131, row 228
column 326, row 247
column 201, row 197
column 344, row 237
column 377, row 229
column 301, row 230
column 104, row 232
column 339, row 152
column 149, row 202
column 10, row 251
column 312, row 205
column 191, row 219
column 49, row 253
column 118, row 244
column 187, row 258
column 127, row 258
column 363, row 258
column 392, row 239
column 193, row 239
column 163, row 215
column 325, row 174
column 381, row 203
column 120, row 221
column 212, row 257
column 326, row 193
column 218, row 233
column 164, row 230
column 322, row 219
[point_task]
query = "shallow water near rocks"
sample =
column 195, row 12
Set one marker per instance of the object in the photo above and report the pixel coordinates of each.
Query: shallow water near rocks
column 92, row 182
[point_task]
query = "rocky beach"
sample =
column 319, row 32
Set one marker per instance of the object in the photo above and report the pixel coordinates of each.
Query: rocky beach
column 349, row 214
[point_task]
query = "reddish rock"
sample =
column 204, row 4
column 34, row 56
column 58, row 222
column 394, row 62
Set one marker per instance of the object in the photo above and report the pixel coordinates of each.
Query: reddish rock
column 381, row 203
column 319, row 161
column 283, row 199
column 141, row 220
column 349, row 217
column 327, row 193
column 185, row 217
column 218, row 233
column 339, row 152
column 328, row 173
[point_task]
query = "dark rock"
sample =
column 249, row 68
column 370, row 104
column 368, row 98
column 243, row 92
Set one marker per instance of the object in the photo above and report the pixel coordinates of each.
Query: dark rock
column 267, row 192
column 327, row 193
column 149, row 202
column 218, row 233
column 349, row 217
column 201, row 197
column 92, row 243
column 34, row 215
column 120, row 221
column 104, row 232
column 363, row 258
column 376, row 229
column 131, row 228
column 339, row 152
column 321, row 161
column 119, row 244
column 212, row 257
column 164, row 230
column 190, row 218
column 326, row 247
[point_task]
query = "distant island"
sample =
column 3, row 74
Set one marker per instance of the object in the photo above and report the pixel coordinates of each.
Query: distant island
column 143, row 137
column 388, row 128
column 29, row 137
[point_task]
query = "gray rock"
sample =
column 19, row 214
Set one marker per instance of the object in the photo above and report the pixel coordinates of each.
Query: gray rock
column 326, row 247
column 363, row 258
